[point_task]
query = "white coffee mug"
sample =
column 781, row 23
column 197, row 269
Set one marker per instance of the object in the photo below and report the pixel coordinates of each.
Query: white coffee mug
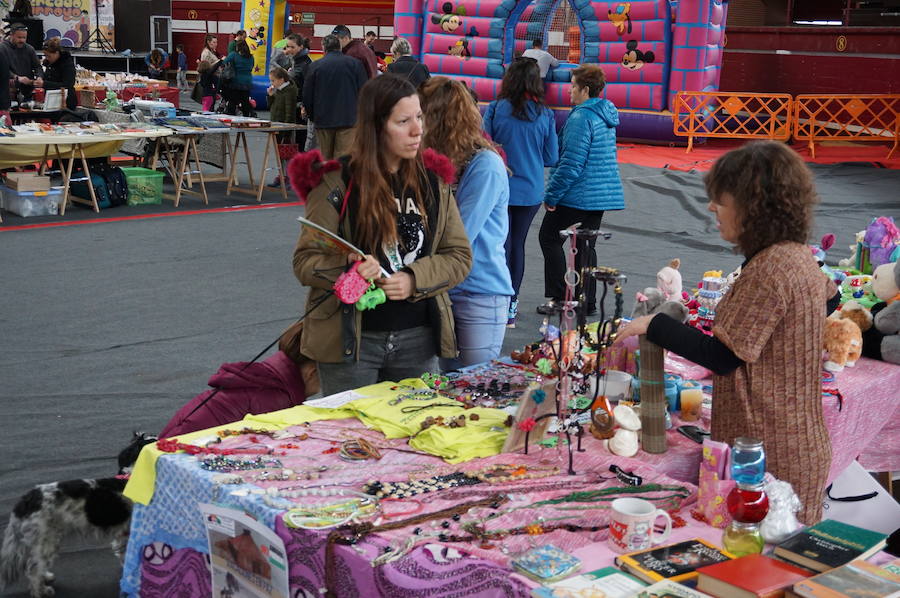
column 631, row 525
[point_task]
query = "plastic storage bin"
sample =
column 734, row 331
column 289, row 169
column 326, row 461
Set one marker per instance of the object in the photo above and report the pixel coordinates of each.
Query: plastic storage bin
column 144, row 186
column 31, row 203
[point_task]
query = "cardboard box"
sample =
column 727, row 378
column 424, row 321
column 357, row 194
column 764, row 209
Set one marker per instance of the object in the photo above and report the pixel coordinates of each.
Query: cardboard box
column 27, row 181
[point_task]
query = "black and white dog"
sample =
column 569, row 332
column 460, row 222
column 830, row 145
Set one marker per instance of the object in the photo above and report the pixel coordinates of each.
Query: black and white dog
column 49, row 512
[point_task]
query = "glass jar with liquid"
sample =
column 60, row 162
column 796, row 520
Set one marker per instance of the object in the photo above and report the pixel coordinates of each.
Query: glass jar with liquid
column 748, row 461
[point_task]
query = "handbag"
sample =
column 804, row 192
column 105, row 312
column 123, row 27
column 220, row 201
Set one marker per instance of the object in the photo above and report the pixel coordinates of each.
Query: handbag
column 197, row 93
column 227, row 73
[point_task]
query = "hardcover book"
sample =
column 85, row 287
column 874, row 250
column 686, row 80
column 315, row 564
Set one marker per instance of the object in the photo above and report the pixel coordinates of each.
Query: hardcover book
column 829, row 544
column 858, row 579
column 608, row 582
column 670, row 589
column 677, row 562
column 751, row 576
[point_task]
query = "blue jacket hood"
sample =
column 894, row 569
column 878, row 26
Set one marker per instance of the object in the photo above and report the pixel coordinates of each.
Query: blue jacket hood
column 603, row 108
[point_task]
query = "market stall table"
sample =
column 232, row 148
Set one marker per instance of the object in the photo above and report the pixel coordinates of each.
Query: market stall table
column 240, row 141
column 24, row 149
column 168, row 537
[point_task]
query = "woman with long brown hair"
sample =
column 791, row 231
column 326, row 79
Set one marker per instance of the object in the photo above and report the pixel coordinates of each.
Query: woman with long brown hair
column 766, row 348
column 209, row 53
column 481, row 301
column 390, row 200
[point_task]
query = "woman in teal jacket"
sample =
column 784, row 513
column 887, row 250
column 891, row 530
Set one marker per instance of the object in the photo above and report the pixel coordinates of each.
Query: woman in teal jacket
column 237, row 89
column 584, row 184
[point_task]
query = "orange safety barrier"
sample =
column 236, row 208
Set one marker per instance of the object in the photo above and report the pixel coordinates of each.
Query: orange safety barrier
column 732, row 115
column 860, row 117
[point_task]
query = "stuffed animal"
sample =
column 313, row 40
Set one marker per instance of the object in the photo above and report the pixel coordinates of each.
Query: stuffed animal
column 886, row 285
column 882, row 238
column 818, row 251
column 668, row 280
column 857, row 314
column 652, row 301
column 843, row 342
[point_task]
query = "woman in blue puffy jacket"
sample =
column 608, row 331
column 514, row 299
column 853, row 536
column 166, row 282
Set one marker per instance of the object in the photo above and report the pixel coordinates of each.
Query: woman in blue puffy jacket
column 526, row 130
column 584, row 184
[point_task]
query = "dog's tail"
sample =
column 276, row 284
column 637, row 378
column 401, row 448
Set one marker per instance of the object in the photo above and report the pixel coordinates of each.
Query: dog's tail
column 14, row 551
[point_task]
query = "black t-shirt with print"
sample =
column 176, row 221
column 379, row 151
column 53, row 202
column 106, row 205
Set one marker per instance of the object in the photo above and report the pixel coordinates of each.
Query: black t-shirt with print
column 414, row 241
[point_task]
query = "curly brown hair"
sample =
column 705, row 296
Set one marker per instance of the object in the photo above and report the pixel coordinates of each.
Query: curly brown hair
column 773, row 192
column 452, row 121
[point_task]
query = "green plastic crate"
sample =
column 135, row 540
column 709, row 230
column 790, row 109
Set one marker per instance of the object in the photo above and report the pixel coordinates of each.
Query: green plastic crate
column 145, row 186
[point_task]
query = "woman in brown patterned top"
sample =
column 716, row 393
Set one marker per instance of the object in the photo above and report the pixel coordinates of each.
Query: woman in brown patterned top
column 766, row 347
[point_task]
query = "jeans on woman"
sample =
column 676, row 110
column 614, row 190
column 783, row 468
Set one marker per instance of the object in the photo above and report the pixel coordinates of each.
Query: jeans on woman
column 383, row 356
column 554, row 256
column 480, row 322
column 520, row 218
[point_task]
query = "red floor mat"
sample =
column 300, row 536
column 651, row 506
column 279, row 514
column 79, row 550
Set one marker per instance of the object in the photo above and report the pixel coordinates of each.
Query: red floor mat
column 703, row 156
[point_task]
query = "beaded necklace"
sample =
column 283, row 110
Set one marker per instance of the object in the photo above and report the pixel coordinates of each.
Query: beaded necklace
column 170, row 445
column 352, row 534
column 415, row 487
column 226, row 464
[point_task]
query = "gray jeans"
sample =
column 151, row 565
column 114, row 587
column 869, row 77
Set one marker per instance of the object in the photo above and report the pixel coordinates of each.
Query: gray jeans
column 383, row 356
column 310, row 136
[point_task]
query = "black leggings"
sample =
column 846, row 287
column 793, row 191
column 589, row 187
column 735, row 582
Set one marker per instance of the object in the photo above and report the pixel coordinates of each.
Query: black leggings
column 520, row 218
column 554, row 255
column 233, row 97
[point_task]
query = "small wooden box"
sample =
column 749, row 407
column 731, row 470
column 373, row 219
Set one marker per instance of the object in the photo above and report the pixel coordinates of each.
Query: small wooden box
column 27, row 181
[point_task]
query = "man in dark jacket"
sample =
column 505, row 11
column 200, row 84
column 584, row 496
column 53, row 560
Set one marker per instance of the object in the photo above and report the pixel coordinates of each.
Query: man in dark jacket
column 356, row 49
column 23, row 61
column 330, row 90
column 5, row 75
column 405, row 65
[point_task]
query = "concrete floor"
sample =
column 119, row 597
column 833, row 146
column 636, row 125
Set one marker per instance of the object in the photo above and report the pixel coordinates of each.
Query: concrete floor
column 108, row 328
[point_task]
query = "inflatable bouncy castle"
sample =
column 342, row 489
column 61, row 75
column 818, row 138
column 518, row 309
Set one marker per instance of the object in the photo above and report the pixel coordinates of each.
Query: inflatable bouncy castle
column 649, row 49
column 265, row 22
